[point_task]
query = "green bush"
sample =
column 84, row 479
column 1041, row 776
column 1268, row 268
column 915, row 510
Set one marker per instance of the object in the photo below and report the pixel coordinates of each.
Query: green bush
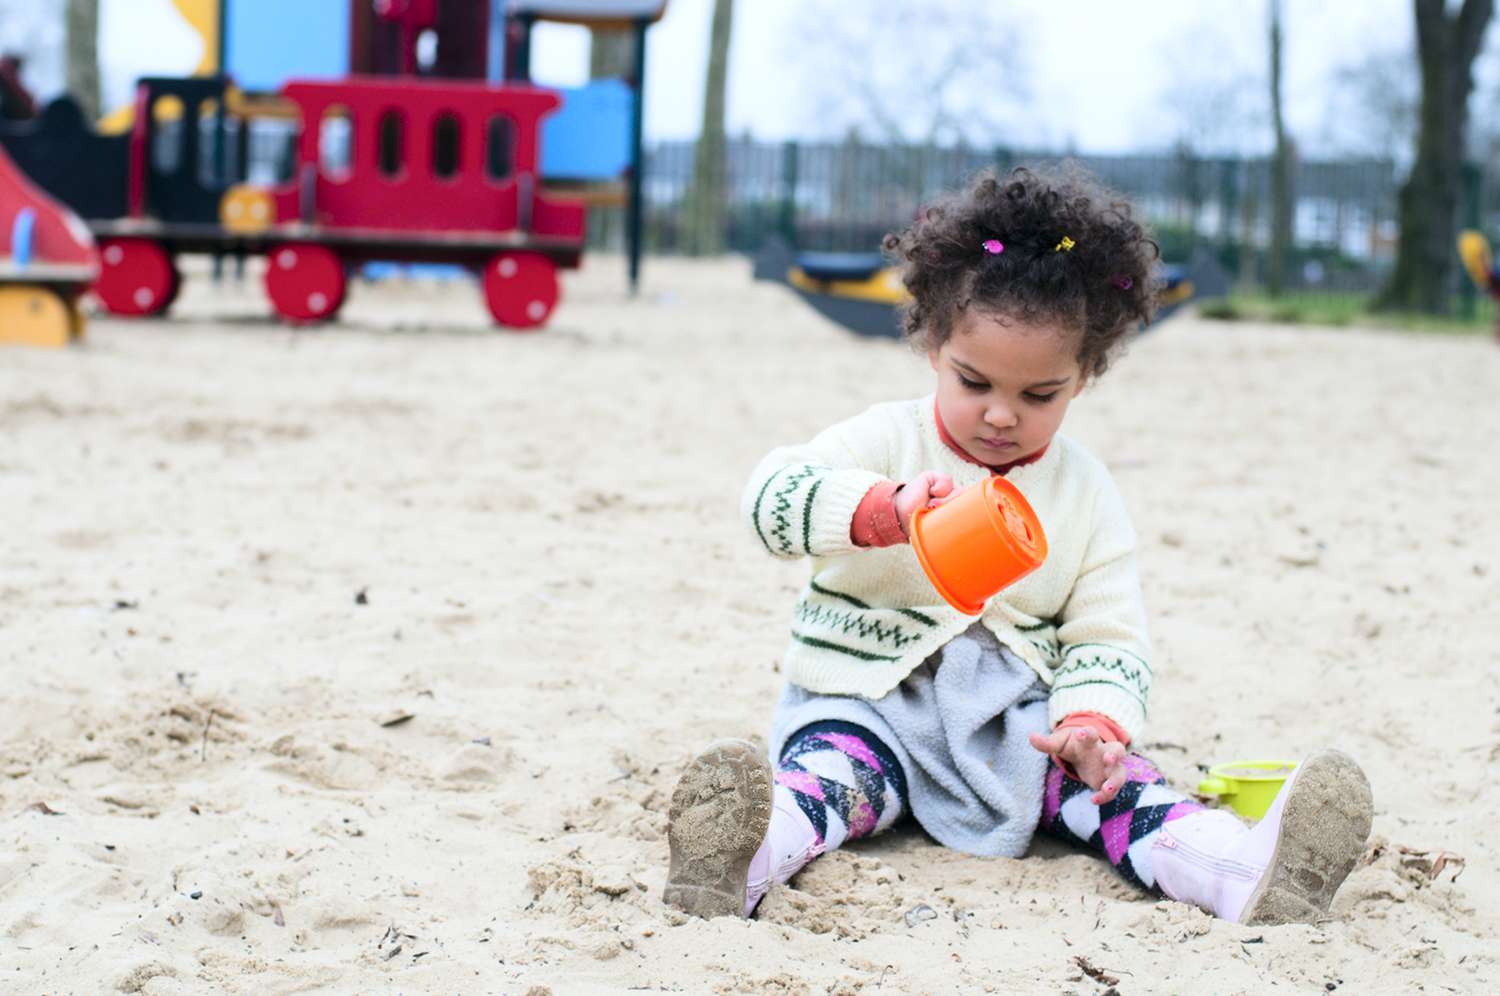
column 1222, row 309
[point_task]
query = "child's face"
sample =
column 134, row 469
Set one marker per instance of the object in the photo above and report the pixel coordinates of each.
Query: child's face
column 1004, row 385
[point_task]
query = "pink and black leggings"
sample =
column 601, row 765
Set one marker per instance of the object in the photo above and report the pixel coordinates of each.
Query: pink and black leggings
column 850, row 785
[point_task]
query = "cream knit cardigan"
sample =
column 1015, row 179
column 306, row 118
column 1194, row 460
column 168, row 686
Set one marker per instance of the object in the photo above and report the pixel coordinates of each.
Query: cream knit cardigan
column 868, row 616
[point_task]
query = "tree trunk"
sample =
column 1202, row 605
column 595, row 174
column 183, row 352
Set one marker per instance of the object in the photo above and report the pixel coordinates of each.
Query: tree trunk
column 82, row 27
column 1282, row 197
column 706, row 201
column 1427, row 205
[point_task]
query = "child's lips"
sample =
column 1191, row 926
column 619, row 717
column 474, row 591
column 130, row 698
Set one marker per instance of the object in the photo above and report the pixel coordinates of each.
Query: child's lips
column 996, row 444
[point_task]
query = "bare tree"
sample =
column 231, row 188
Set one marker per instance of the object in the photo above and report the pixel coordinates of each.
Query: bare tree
column 82, row 19
column 1282, row 197
column 1372, row 106
column 913, row 71
column 1208, row 105
column 706, row 200
column 1428, row 202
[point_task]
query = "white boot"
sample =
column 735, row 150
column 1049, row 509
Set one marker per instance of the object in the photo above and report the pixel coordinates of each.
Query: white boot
column 1287, row 867
column 720, row 813
column 791, row 842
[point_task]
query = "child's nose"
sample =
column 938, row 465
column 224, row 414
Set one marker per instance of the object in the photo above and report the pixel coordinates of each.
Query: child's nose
column 1000, row 416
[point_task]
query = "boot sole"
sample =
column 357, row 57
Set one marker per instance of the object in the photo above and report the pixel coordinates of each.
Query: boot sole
column 719, row 815
column 1324, row 827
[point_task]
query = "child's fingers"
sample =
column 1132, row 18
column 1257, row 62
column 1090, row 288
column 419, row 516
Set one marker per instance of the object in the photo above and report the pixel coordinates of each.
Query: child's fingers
column 1113, row 782
column 942, row 485
column 1049, row 743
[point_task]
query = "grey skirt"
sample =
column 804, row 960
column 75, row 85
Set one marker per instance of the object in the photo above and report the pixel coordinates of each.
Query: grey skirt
column 959, row 725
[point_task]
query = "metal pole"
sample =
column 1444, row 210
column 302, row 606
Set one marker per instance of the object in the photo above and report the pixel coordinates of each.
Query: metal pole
column 517, row 67
column 1470, row 182
column 788, row 219
column 637, row 158
column 221, row 170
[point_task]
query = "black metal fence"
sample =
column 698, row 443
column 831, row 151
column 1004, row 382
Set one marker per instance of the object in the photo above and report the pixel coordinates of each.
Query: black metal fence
column 845, row 196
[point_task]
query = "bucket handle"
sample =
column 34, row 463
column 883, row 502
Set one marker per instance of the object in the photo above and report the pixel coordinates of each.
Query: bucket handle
column 1215, row 786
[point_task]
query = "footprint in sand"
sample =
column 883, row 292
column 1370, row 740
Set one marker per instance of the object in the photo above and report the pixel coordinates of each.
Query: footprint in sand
column 321, row 765
column 476, row 766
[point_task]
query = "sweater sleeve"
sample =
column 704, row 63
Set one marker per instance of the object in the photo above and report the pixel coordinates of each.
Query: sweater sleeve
column 1105, row 648
column 800, row 500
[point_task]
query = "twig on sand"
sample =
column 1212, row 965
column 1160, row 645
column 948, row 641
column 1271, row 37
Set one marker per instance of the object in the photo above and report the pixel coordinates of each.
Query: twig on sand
column 1164, row 745
column 203, row 754
column 1424, row 862
column 1097, row 974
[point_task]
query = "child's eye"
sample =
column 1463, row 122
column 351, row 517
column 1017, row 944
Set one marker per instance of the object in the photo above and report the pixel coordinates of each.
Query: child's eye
column 1041, row 399
column 972, row 385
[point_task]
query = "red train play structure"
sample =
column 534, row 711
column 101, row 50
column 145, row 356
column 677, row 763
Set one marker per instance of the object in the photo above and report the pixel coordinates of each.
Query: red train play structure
column 392, row 159
column 435, row 172
column 47, row 261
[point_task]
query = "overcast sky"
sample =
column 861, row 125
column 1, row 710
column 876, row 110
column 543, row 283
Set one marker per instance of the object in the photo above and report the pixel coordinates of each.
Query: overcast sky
column 1089, row 75
column 1100, row 75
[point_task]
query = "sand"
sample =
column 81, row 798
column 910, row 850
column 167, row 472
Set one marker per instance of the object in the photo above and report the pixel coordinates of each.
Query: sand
column 365, row 659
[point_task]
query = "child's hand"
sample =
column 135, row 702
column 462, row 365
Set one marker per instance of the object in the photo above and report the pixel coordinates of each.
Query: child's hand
column 928, row 488
column 1096, row 763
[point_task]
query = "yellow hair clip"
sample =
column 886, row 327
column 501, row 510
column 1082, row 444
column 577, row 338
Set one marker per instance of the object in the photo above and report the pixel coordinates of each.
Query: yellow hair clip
column 1066, row 245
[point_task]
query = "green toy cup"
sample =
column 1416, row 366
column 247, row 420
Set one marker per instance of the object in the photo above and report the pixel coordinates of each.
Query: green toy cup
column 1247, row 786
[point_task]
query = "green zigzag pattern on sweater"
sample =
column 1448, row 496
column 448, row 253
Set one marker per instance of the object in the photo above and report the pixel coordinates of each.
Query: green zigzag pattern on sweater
column 1042, row 636
column 848, row 621
column 1134, row 675
column 1046, row 649
column 781, row 506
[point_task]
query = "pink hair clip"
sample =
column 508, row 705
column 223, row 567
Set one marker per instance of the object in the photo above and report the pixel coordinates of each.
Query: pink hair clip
column 1124, row 283
column 993, row 246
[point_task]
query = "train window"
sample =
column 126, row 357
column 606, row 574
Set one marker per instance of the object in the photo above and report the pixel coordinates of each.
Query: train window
column 335, row 142
column 166, row 144
column 391, row 151
column 270, row 151
column 214, row 150
column 500, row 150
column 446, row 154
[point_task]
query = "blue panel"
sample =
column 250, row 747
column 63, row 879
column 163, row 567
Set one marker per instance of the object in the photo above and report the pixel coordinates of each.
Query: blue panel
column 419, row 271
column 271, row 41
column 588, row 138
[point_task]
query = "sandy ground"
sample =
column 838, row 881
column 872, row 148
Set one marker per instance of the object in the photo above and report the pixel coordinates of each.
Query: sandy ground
column 365, row 659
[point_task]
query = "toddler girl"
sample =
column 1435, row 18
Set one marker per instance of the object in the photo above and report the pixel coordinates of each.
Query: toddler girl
column 986, row 730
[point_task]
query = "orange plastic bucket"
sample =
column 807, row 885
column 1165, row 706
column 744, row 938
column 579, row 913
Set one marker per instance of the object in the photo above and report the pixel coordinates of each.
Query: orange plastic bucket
column 979, row 543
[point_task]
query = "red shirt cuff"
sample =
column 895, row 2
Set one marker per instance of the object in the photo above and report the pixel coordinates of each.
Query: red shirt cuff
column 875, row 521
column 1108, row 730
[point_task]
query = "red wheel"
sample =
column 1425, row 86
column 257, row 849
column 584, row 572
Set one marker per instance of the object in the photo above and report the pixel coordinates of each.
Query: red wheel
column 305, row 282
column 520, row 289
column 136, row 277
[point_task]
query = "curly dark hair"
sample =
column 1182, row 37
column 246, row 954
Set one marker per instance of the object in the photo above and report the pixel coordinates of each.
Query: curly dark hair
column 1104, row 285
